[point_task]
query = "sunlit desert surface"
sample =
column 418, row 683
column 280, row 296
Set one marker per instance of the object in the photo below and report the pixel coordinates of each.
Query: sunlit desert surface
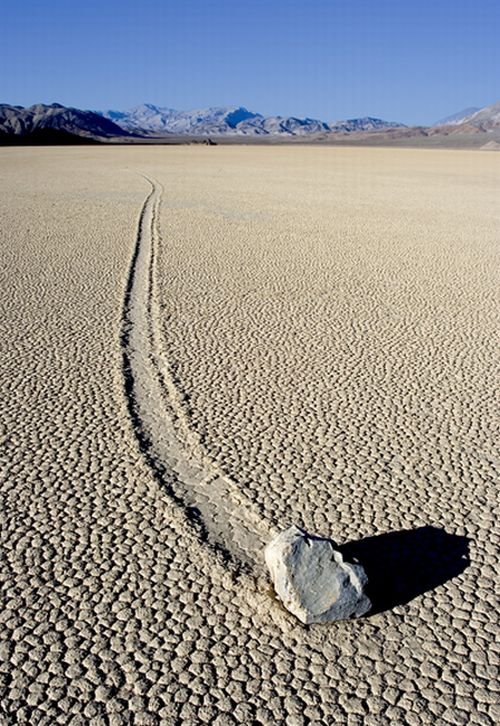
column 204, row 345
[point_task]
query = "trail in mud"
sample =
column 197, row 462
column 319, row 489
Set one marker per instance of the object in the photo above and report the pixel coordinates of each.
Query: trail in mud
column 226, row 518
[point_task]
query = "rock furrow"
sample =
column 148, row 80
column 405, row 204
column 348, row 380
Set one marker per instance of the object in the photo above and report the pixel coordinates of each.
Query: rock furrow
column 220, row 509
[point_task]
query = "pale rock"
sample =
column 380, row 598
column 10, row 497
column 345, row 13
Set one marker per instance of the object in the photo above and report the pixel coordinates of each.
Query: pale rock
column 312, row 580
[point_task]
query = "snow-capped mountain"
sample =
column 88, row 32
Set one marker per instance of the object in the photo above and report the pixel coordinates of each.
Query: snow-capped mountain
column 230, row 120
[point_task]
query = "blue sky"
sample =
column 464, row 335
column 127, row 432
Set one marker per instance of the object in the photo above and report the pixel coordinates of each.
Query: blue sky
column 397, row 59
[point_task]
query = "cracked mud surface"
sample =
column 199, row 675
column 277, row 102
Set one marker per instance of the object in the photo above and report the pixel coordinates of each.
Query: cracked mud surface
column 321, row 323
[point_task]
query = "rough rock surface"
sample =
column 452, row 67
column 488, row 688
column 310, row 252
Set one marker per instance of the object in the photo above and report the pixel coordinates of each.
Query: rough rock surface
column 312, row 580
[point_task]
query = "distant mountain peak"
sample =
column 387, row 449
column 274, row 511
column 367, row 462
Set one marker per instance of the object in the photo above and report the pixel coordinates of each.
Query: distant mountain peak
column 473, row 120
column 239, row 114
column 458, row 118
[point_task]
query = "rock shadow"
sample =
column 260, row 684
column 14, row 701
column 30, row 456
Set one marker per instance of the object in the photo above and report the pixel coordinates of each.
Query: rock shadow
column 402, row 565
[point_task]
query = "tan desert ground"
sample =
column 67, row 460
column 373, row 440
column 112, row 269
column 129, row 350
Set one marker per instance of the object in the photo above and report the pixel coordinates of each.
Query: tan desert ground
column 204, row 345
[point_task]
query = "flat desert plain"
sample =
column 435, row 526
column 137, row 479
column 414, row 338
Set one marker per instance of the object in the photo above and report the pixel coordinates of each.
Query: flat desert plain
column 204, row 345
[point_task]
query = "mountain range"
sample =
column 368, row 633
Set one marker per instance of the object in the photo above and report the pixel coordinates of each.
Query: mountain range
column 55, row 123
column 233, row 120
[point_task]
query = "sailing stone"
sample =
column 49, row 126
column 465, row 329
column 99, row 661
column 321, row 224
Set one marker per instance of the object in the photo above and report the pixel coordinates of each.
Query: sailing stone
column 313, row 581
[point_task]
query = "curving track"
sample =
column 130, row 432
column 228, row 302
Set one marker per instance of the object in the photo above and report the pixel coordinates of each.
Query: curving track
column 225, row 517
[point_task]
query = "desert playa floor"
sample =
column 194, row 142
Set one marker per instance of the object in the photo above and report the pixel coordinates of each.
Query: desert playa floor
column 204, row 345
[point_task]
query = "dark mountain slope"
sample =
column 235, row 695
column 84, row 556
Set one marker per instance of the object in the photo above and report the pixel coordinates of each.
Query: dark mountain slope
column 22, row 122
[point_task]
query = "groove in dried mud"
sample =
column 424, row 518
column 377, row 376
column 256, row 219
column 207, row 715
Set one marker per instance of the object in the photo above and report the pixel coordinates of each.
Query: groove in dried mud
column 223, row 517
